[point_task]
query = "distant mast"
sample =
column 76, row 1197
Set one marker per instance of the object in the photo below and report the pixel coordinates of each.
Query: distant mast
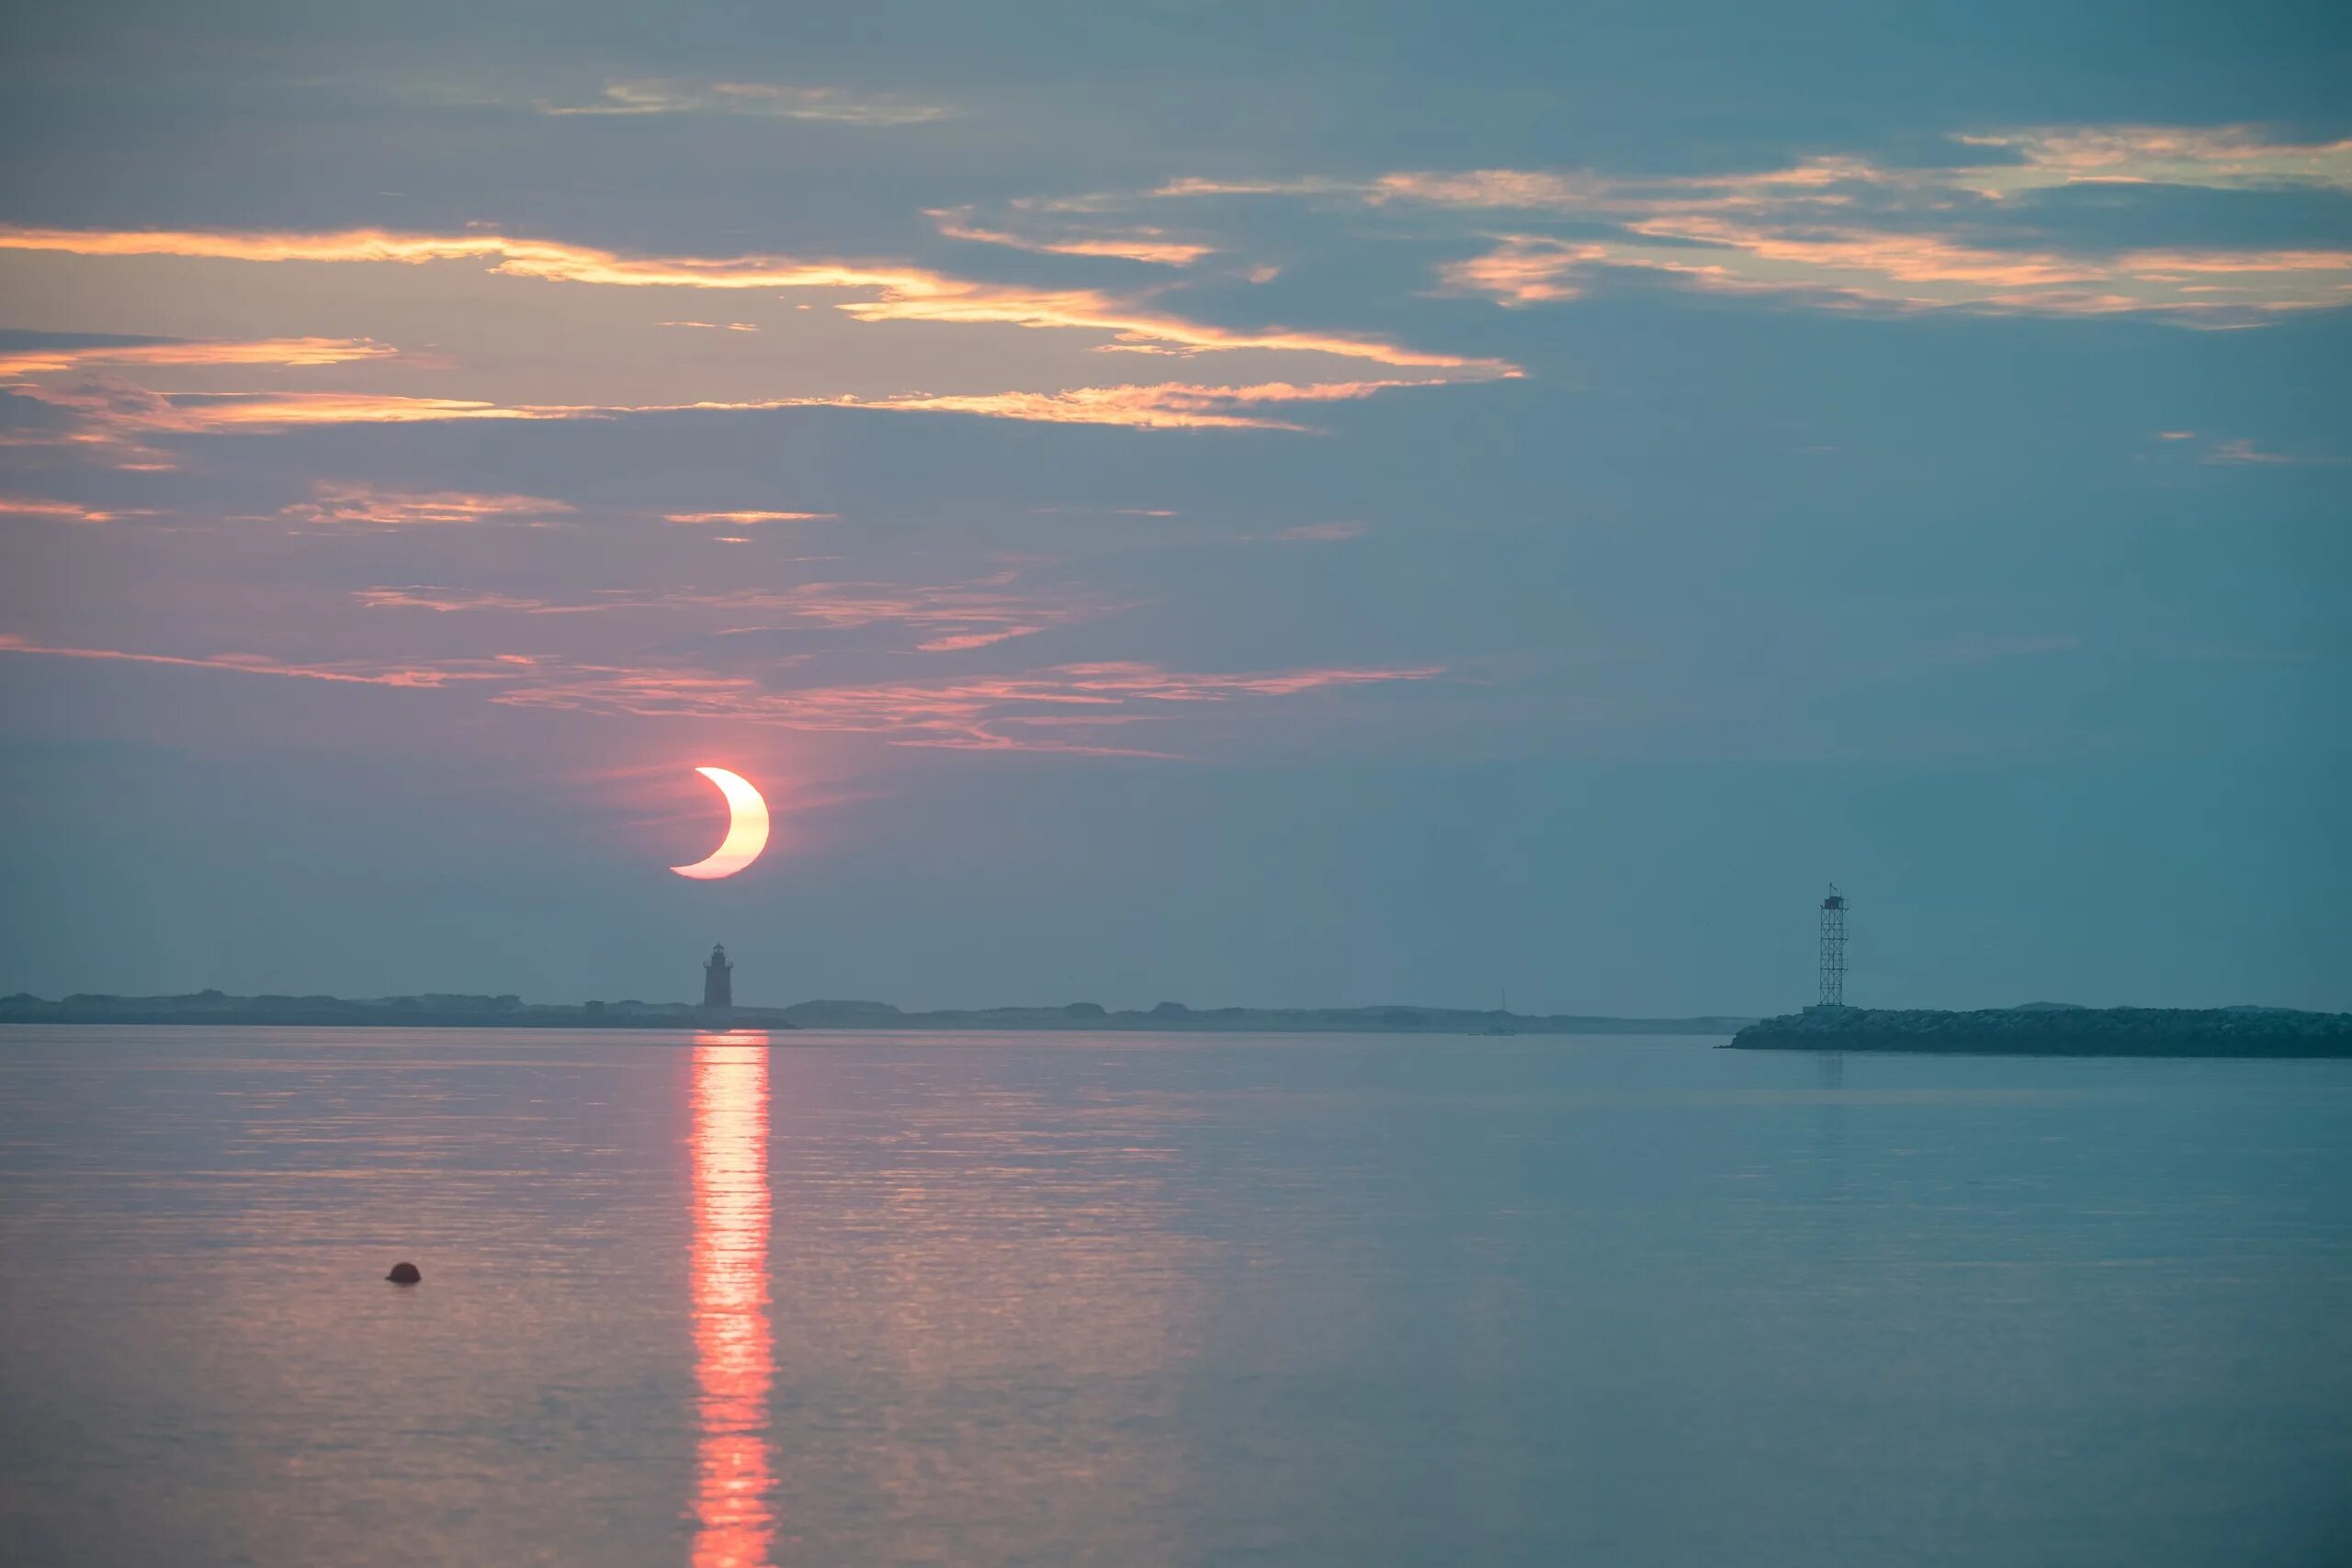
column 717, row 980
column 1833, row 948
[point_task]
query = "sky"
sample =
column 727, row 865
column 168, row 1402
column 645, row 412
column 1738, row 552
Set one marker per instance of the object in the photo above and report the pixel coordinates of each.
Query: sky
column 1318, row 504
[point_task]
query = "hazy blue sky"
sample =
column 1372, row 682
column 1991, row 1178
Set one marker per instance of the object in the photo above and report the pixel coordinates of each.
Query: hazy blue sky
column 1318, row 504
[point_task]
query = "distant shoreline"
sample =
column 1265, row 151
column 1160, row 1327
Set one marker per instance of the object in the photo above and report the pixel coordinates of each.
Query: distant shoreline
column 435, row 1011
column 2054, row 1030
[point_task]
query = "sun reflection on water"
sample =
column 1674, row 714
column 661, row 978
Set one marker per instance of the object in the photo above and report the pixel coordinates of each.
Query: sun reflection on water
column 734, row 1348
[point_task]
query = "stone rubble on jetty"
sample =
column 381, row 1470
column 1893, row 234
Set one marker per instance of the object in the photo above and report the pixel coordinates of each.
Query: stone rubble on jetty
column 2044, row 1029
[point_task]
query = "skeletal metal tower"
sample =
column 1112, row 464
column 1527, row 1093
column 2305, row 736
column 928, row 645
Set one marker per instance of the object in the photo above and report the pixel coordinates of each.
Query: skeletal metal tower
column 1833, row 948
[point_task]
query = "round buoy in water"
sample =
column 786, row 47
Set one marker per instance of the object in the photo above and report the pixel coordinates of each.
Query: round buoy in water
column 404, row 1274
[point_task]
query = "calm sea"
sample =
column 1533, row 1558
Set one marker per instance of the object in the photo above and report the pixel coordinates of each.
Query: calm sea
column 978, row 1300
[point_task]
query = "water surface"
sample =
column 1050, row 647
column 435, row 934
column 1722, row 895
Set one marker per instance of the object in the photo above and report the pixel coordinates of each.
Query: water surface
column 1143, row 1300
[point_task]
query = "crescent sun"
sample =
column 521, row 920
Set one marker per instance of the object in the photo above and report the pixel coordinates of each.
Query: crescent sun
column 747, row 828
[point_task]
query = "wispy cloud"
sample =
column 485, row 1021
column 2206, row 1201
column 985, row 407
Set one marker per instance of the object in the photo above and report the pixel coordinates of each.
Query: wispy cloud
column 763, row 100
column 286, row 351
column 1163, row 406
column 715, row 326
column 1860, row 267
column 898, row 292
column 2218, row 157
column 66, row 511
column 1840, row 230
column 445, row 601
column 1323, row 533
column 2243, row 450
column 747, row 519
column 118, row 412
column 948, row 618
column 346, row 503
column 1141, row 244
column 1011, row 713
column 420, row 676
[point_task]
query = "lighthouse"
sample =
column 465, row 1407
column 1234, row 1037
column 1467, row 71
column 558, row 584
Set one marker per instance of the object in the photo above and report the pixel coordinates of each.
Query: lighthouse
column 717, row 980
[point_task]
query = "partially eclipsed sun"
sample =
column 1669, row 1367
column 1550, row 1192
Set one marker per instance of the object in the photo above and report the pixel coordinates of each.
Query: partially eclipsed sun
column 747, row 827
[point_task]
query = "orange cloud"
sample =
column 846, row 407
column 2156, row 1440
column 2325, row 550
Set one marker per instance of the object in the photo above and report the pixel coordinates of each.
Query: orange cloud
column 288, row 351
column 1167, row 406
column 902, row 292
column 1524, row 269
column 1134, row 244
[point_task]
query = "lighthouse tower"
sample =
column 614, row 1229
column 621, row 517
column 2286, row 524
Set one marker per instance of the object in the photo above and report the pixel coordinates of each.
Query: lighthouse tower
column 717, row 980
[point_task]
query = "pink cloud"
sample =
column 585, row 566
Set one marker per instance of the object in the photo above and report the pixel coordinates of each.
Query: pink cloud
column 66, row 511
column 743, row 519
column 992, row 713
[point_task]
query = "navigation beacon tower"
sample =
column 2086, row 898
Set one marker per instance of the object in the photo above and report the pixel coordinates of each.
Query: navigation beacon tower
column 718, row 979
column 1833, row 948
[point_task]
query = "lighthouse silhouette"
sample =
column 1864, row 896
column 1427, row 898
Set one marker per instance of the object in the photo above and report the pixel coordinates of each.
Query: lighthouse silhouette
column 718, row 979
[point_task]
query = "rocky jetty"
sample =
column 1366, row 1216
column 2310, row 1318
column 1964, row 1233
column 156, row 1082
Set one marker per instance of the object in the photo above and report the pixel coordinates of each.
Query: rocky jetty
column 2045, row 1029
column 449, row 1011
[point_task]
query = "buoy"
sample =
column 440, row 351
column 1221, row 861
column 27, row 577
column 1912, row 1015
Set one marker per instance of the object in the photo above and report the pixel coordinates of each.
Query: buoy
column 404, row 1274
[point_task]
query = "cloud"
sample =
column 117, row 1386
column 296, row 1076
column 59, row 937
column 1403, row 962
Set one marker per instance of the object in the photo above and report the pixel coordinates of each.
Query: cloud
column 972, row 713
column 991, row 713
column 2218, row 157
column 1165, row 406
column 105, row 405
column 64, row 510
column 341, row 503
column 286, row 351
column 963, row 642
column 1525, row 269
column 118, row 414
column 714, row 326
column 763, row 100
column 951, row 618
column 357, row 673
column 900, row 292
column 1863, row 267
column 1323, row 533
column 1842, row 231
column 1132, row 244
column 2243, row 451
column 746, row 519
column 446, row 600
